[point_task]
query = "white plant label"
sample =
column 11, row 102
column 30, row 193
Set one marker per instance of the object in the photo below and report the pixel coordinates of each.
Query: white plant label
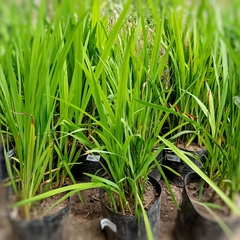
column 93, row 158
column 173, row 158
column 105, row 222
column 10, row 153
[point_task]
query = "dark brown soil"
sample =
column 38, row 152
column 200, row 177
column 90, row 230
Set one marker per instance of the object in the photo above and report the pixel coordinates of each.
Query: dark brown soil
column 150, row 196
column 207, row 196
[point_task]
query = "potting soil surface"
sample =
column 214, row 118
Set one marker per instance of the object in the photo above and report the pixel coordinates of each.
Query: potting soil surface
column 208, row 196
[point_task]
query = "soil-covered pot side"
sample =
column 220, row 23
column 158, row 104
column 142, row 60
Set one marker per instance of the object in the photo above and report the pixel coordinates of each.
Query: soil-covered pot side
column 173, row 161
column 50, row 227
column 127, row 227
column 191, row 224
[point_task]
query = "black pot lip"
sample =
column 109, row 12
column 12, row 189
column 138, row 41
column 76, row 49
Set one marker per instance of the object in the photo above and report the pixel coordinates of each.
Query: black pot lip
column 158, row 189
column 194, row 177
column 191, row 177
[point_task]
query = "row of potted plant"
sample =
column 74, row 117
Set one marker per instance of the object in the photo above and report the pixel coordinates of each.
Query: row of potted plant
column 75, row 81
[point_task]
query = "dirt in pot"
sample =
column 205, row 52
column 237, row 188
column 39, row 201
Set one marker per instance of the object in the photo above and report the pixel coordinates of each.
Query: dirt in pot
column 39, row 209
column 150, row 196
column 192, row 147
column 208, row 196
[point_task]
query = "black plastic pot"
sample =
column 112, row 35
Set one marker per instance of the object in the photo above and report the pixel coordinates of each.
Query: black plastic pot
column 50, row 227
column 155, row 172
column 123, row 227
column 3, row 167
column 173, row 161
column 191, row 224
column 88, row 164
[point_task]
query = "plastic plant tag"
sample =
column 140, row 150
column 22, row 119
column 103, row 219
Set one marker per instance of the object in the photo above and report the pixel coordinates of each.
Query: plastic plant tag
column 105, row 222
column 93, row 158
column 173, row 157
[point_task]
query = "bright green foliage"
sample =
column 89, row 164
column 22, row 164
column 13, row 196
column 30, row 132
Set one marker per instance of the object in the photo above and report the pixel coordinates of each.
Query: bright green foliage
column 119, row 78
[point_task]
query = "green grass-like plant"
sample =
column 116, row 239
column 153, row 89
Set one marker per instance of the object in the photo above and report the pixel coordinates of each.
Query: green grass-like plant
column 108, row 78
